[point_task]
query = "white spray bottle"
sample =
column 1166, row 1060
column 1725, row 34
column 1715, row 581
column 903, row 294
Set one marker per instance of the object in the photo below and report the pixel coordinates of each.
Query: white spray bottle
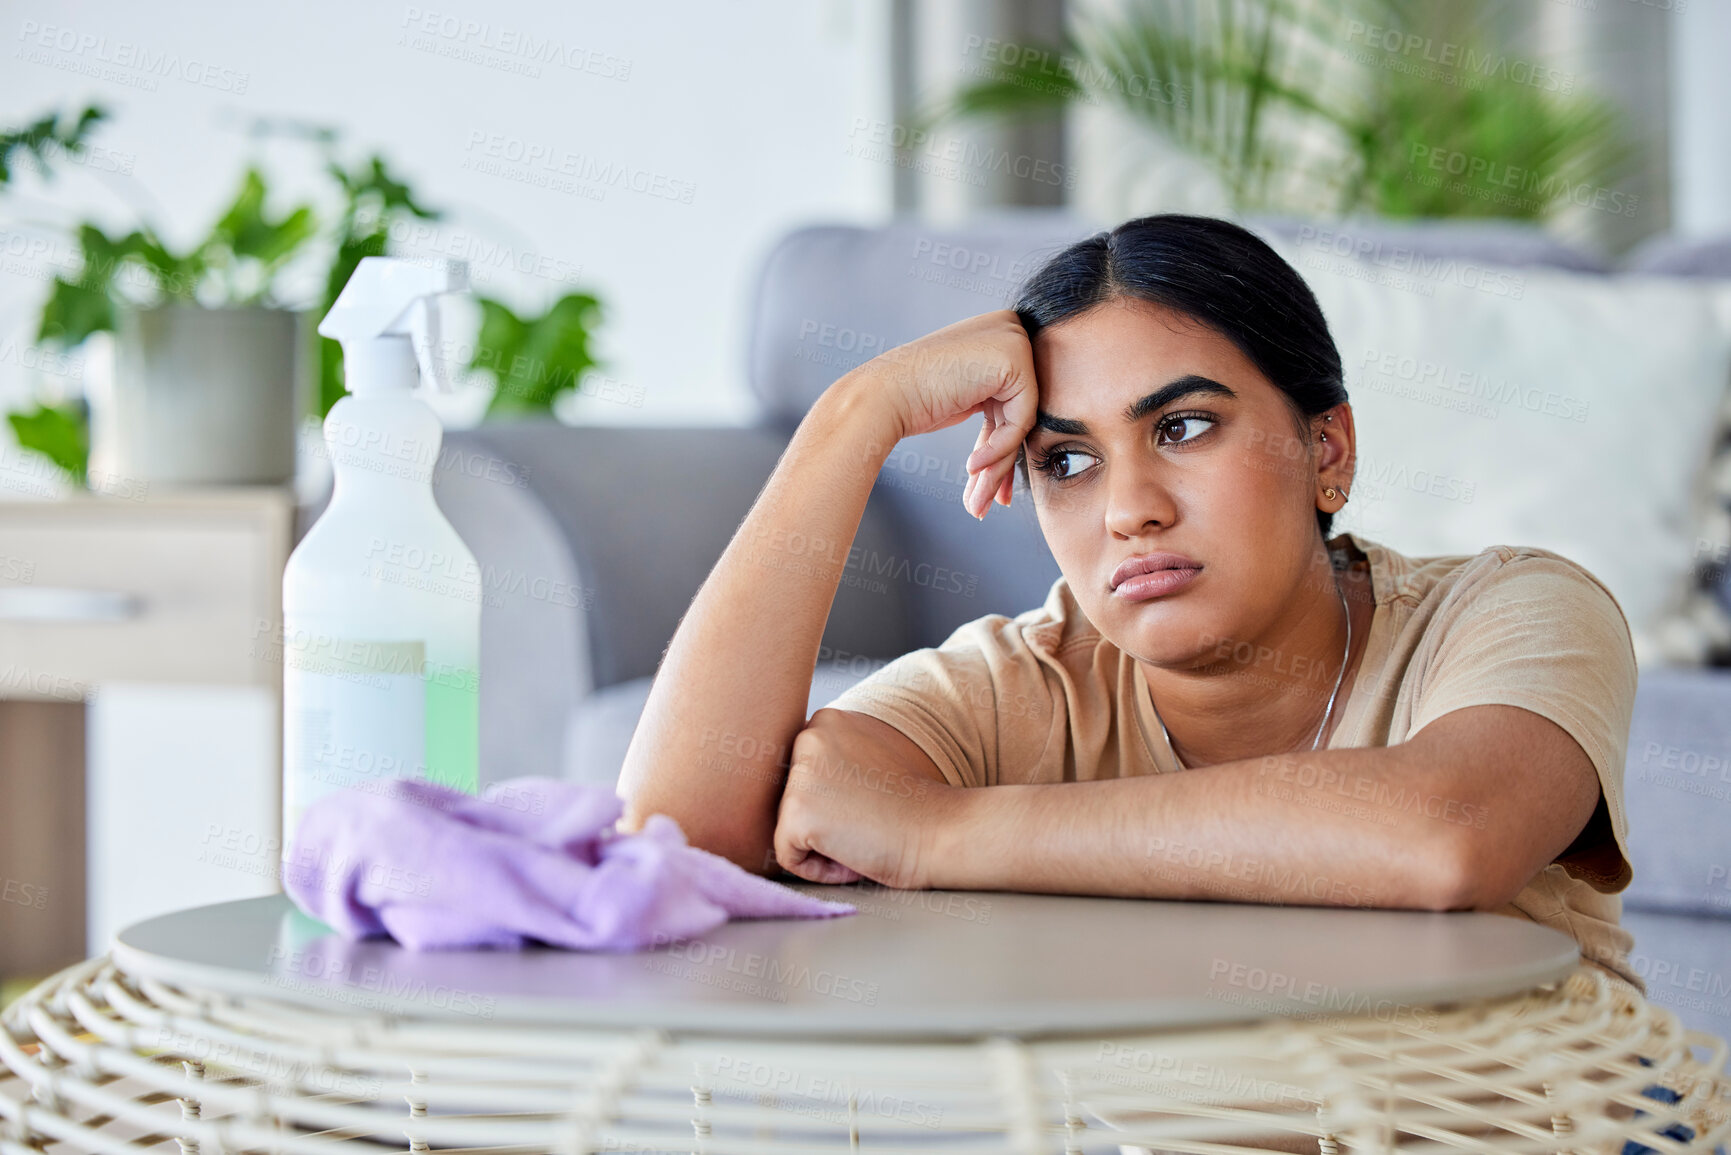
column 381, row 599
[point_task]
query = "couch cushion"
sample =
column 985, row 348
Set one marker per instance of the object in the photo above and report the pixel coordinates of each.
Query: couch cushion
column 954, row 568
column 833, row 297
column 1677, row 792
column 1686, row 963
column 1682, row 257
column 646, row 511
column 1508, row 244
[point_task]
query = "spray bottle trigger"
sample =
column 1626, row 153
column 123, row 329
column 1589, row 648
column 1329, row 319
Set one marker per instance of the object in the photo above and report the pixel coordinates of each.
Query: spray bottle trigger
column 424, row 326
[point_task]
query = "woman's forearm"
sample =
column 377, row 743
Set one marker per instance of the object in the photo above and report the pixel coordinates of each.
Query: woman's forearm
column 712, row 746
column 1354, row 827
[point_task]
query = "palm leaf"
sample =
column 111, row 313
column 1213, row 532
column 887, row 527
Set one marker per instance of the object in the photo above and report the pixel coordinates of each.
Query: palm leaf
column 1267, row 95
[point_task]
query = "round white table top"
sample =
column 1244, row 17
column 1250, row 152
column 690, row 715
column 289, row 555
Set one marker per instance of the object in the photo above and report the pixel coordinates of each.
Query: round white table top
column 908, row 963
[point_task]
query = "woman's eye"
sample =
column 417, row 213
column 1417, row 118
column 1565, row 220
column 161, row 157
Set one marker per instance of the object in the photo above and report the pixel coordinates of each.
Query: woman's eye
column 1056, row 468
column 1193, row 419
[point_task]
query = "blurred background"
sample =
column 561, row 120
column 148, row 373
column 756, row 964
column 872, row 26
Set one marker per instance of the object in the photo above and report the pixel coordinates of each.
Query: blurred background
column 681, row 223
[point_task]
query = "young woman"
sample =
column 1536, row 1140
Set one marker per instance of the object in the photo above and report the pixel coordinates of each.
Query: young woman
column 1218, row 699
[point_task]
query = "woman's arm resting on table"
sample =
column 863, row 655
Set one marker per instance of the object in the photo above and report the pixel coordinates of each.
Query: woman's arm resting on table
column 710, row 748
column 1461, row 815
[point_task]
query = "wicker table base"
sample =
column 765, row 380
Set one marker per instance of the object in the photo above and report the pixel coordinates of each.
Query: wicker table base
column 100, row 1061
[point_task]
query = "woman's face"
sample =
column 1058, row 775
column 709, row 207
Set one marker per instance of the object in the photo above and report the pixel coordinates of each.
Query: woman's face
column 1209, row 465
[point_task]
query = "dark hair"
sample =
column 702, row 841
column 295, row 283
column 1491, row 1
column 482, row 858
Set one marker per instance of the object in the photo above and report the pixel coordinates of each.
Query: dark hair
column 1216, row 273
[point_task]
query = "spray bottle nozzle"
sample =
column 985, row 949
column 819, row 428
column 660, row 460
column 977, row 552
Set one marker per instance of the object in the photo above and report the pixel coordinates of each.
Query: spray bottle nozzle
column 388, row 323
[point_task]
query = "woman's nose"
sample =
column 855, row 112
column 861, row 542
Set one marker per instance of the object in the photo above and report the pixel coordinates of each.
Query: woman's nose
column 1137, row 498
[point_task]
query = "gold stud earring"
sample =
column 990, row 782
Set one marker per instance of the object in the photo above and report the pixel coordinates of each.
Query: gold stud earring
column 1329, row 493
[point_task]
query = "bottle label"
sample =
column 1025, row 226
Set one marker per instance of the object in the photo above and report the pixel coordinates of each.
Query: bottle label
column 354, row 715
column 359, row 713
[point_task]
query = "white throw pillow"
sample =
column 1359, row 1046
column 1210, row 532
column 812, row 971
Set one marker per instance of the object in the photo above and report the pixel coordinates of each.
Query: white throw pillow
column 1568, row 411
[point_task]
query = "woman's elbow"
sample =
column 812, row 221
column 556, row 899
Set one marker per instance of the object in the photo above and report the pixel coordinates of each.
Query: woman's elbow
column 1459, row 874
column 747, row 844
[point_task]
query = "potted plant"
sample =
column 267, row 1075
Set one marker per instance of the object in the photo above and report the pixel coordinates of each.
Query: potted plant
column 204, row 382
column 211, row 351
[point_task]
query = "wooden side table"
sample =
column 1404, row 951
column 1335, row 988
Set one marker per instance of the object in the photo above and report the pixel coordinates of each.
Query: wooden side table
column 156, row 620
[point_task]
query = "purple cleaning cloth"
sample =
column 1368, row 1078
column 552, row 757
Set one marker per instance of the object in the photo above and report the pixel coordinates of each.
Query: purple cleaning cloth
column 533, row 859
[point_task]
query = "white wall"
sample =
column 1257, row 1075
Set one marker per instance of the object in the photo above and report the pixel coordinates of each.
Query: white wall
column 748, row 104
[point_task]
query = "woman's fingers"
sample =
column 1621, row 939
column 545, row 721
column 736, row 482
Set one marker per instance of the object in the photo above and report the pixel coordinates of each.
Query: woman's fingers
column 991, row 482
column 1007, row 419
column 812, row 865
column 975, row 476
column 1009, row 416
column 795, row 848
column 987, row 485
column 822, row 868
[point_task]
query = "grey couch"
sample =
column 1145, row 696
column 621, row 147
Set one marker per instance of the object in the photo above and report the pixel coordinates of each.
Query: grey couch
column 594, row 541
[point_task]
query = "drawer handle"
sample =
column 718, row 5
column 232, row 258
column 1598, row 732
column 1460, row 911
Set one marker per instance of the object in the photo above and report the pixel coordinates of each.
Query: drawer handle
column 65, row 604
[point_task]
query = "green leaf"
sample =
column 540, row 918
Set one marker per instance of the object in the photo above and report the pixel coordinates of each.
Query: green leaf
column 393, row 193
column 102, row 255
column 247, row 211
column 176, row 277
column 248, row 231
column 533, row 361
column 37, row 139
column 502, row 334
column 373, row 195
column 61, row 434
column 1027, row 87
column 1521, row 150
column 247, row 245
column 77, row 308
column 350, row 254
column 73, row 312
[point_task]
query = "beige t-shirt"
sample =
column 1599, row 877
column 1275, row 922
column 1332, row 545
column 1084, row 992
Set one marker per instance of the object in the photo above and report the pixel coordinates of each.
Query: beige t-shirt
column 1043, row 697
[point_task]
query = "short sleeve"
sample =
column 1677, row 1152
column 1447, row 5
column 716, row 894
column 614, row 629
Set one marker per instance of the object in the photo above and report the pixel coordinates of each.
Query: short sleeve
column 968, row 703
column 1541, row 632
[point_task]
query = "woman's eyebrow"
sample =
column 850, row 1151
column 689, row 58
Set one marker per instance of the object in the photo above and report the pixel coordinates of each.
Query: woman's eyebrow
column 1184, row 386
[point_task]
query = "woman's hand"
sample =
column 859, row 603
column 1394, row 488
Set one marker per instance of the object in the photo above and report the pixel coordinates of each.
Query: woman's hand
column 984, row 364
column 841, row 821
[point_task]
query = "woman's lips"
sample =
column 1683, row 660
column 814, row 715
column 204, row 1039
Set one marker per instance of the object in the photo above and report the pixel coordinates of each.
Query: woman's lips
column 1156, row 584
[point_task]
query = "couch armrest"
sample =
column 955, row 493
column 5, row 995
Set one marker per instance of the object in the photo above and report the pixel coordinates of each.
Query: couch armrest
column 1678, row 787
column 593, row 541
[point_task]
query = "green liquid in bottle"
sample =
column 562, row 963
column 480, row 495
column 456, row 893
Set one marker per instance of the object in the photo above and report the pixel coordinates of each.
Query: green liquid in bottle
column 453, row 731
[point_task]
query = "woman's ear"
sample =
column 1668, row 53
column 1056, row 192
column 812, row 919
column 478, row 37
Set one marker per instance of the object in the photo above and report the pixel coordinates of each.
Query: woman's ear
column 1336, row 461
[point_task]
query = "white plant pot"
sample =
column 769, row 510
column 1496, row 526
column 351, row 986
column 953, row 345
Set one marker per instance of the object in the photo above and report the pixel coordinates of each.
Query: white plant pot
column 201, row 397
